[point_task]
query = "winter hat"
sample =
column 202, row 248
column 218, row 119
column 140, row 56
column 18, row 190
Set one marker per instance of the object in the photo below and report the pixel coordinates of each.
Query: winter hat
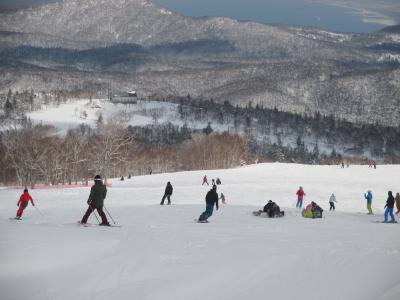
column 214, row 187
column 25, row 190
column 97, row 177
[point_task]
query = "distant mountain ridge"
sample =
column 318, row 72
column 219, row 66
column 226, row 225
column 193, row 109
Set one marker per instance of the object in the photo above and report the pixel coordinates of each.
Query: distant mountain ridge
column 91, row 44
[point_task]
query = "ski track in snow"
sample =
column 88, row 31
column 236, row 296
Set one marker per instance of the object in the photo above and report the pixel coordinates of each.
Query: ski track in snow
column 161, row 253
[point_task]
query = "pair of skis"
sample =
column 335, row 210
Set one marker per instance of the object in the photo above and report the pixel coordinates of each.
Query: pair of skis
column 90, row 224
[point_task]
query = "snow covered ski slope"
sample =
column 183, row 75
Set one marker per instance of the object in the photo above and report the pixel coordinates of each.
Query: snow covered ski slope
column 160, row 253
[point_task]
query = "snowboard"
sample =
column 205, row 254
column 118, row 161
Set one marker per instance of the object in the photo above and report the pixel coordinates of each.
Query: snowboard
column 389, row 222
column 198, row 221
column 16, row 219
column 257, row 213
column 260, row 212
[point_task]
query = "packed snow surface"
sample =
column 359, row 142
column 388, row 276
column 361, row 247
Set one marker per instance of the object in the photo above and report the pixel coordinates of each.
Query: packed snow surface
column 161, row 253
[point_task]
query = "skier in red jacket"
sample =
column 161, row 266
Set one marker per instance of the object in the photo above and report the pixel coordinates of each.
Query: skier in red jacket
column 23, row 203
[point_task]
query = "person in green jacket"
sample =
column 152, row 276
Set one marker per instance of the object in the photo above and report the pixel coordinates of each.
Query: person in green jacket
column 97, row 195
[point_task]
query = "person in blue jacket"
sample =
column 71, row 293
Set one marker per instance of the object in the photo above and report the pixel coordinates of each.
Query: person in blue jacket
column 368, row 196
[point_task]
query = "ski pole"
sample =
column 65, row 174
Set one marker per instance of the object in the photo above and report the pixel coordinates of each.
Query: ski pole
column 93, row 211
column 97, row 218
column 38, row 210
column 109, row 214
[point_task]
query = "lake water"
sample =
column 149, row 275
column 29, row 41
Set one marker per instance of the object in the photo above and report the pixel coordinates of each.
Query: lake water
column 293, row 12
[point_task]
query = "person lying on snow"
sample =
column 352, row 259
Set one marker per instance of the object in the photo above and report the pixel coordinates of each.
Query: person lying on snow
column 312, row 210
column 271, row 209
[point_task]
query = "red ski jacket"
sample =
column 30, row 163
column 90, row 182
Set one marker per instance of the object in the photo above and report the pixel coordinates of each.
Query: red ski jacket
column 25, row 197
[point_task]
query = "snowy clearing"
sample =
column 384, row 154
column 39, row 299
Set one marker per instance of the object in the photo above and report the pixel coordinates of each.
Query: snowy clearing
column 84, row 111
column 161, row 253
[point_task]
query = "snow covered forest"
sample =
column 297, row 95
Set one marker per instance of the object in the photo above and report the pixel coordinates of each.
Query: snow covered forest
column 180, row 134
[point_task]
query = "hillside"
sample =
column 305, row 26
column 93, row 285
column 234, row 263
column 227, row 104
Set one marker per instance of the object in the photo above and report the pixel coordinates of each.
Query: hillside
column 91, row 45
column 159, row 252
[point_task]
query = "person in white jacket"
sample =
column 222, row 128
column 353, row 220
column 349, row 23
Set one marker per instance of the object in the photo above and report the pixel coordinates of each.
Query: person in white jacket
column 332, row 200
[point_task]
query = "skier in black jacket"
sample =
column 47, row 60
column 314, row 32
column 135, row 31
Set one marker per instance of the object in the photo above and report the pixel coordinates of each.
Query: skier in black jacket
column 211, row 199
column 389, row 208
column 167, row 194
column 97, row 195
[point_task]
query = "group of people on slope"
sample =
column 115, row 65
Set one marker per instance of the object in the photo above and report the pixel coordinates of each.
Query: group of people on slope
column 312, row 210
column 98, row 193
column 213, row 181
column 211, row 200
column 389, row 207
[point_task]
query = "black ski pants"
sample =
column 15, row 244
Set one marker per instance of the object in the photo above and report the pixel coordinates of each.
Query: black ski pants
column 163, row 199
column 91, row 209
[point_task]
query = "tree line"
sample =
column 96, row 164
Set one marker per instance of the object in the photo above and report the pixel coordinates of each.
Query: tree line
column 34, row 153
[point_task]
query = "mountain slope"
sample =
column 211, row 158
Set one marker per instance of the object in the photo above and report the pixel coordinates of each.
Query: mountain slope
column 161, row 253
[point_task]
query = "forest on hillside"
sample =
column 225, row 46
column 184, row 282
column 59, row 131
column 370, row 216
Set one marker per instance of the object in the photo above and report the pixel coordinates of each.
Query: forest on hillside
column 33, row 153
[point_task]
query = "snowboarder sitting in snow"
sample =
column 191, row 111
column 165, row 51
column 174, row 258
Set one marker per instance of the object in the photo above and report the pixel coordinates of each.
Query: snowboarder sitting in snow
column 312, row 210
column 218, row 181
column 97, row 195
column 271, row 209
column 167, row 194
column 23, row 203
column 211, row 199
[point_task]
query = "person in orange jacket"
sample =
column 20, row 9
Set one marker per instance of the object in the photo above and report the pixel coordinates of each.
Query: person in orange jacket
column 23, row 203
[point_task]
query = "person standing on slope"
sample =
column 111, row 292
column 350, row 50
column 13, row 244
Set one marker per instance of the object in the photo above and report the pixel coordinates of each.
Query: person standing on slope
column 300, row 195
column 23, row 203
column 97, row 195
column 397, row 199
column 389, row 208
column 223, row 200
column 205, row 180
column 332, row 200
column 368, row 196
column 167, row 193
column 211, row 199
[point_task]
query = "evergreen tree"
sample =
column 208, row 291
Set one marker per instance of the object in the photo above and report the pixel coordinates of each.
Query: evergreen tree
column 8, row 108
column 208, row 129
